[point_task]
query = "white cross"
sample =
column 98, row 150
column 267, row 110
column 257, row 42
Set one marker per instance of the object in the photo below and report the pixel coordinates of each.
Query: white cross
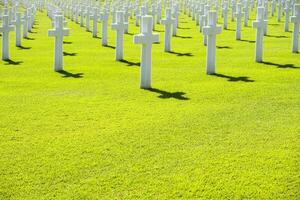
column 120, row 26
column 126, row 15
column 82, row 15
column 296, row 20
column 168, row 22
column 158, row 13
column 95, row 21
column 104, row 19
column 287, row 17
column 246, row 13
column 225, row 11
column 233, row 9
column 58, row 32
column 25, row 26
column 136, row 13
column 5, row 29
column 239, row 15
column 211, row 30
column 279, row 11
column 259, row 24
column 87, row 18
column 153, row 13
column 146, row 38
column 176, row 18
column 18, row 23
column 206, row 12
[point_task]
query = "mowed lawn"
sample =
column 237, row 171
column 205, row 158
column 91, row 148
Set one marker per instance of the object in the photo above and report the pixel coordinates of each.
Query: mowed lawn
column 90, row 132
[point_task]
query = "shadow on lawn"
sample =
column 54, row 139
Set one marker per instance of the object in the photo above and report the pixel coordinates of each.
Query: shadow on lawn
column 184, row 28
column 277, row 36
column 129, row 63
column 34, row 32
column 224, row 47
column 234, row 79
column 169, row 95
column 28, row 38
column 249, row 41
column 109, row 46
column 25, row 48
column 70, row 75
column 181, row 54
column 11, row 62
column 282, row 66
column 64, row 42
column 69, row 54
column 183, row 37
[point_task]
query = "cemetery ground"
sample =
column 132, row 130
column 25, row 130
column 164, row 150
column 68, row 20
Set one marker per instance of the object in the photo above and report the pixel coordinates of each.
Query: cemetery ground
column 90, row 132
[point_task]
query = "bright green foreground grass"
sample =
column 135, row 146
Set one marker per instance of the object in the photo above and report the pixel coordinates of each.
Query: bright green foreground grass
column 90, row 132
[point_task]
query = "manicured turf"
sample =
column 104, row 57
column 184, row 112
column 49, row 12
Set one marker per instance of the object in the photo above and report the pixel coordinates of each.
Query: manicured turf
column 90, row 132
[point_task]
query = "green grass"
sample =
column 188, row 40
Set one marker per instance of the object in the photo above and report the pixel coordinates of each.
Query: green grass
column 92, row 133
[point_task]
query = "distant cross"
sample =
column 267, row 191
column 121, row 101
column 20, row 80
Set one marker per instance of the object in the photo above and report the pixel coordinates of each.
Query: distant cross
column 146, row 38
column 225, row 11
column 120, row 27
column 25, row 26
column 104, row 19
column 211, row 30
column 18, row 23
column 5, row 29
column 259, row 24
column 158, row 13
column 246, row 13
column 126, row 15
column 287, row 17
column 87, row 18
column 233, row 9
column 58, row 32
column 239, row 15
column 136, row 13
column 168, row 22
column 206, row 12
column 153, row 14
column 279, row 11
column 176, row 18
column 95, row 18
column 82, row 15
column 296, row 20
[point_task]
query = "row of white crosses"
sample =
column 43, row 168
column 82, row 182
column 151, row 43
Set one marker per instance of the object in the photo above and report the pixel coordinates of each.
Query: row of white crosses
column 13, row 21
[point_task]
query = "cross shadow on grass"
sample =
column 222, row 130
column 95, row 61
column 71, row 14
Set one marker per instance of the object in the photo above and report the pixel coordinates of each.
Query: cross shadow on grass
column 65, row 42
column 11, row 62
column 69, row 54
column 224, row 47
column 183, row 37
column 67, row 74
column 234, row 79
column 168, row 95
column 129, row 63
column 277, row 36
column 249, row 41
column 228, row 29
column 180, row 54
column 184, row 28
column 24, row 48
column 29, row 38
column 109, row 46
column 282, row 66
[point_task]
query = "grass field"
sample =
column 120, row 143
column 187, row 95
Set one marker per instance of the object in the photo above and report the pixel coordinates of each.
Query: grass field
column 89, row 132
